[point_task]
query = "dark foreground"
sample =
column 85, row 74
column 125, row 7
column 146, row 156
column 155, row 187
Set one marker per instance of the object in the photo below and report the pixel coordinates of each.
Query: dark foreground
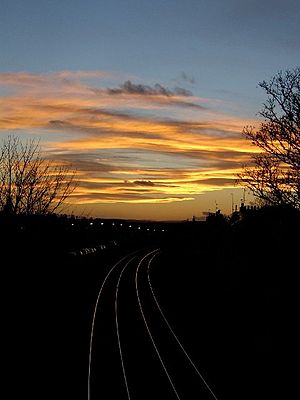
column 230, row 293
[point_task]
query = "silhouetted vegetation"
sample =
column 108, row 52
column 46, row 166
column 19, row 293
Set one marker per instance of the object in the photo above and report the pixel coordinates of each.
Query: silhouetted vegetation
column 30, row 184
column 275, row 176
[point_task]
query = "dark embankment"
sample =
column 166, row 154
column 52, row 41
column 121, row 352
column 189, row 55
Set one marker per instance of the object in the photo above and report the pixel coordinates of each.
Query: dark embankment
column 228, row 288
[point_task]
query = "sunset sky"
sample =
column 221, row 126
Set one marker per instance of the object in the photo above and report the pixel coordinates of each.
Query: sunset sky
column 145, row 99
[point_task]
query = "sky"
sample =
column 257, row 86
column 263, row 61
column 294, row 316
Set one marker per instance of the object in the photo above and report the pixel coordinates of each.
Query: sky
column 146, row 100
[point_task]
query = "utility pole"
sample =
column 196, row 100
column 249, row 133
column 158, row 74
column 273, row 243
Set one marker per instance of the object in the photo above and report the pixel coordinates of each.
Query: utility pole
column 232, row 203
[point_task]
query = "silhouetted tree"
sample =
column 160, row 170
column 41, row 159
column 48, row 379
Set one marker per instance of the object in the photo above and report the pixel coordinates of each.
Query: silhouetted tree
column 30, row 184
column 275, row 175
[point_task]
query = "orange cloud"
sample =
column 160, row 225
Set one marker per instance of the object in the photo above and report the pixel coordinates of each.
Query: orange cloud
column 175, row 141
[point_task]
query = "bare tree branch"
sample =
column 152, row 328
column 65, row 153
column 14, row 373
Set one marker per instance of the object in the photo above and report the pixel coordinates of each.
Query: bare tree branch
column 275, row 177
column 29, row 184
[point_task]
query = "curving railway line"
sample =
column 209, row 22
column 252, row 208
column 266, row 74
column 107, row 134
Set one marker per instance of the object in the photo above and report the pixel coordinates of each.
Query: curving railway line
column 134, row 353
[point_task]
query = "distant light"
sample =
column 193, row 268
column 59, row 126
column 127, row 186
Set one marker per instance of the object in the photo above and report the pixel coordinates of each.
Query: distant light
column 121, row 224
column 162, row 230
column 113, row 224
column 139, row 227
column 148, row 229
column 91, row 223
column 102, row 223
column 72, row 224
column 129, row 226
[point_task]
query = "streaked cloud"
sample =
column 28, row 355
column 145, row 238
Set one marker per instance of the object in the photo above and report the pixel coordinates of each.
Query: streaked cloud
column 144, row 183
column 157, row 90
column 131, row 142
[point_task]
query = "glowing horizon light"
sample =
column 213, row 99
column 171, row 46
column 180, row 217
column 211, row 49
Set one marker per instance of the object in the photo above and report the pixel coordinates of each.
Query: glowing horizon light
column 132, row 156
column 157, row 137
